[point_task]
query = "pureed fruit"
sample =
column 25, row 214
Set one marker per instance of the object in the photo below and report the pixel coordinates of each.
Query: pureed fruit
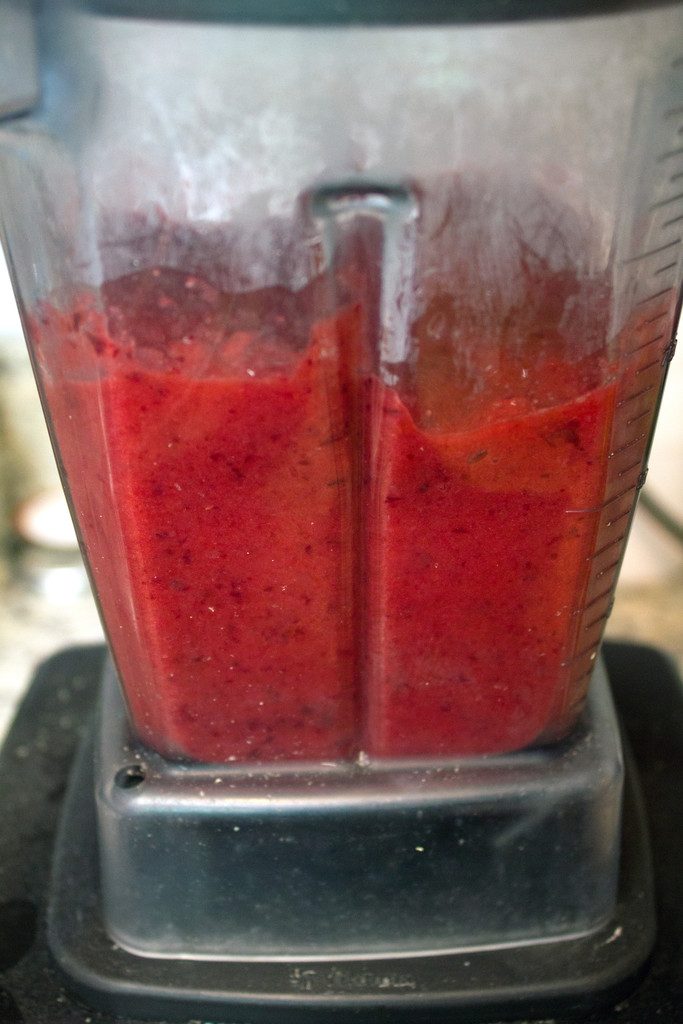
column 297, row 560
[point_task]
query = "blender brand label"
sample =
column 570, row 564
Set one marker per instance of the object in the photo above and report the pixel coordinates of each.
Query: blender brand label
column 346, row 979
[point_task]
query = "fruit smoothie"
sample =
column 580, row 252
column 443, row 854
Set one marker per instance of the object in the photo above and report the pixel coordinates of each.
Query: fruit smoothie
column 297, row 560
column 481, row 544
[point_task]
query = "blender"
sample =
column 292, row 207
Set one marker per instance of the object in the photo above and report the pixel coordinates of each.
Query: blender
column 350, row 323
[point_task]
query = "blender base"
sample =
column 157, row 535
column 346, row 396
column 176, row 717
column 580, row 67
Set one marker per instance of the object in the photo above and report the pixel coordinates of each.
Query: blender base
column 37, row 757
column 350, row 862
column 568, row 975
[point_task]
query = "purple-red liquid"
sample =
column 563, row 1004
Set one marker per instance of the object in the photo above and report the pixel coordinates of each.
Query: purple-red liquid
column 297, row 561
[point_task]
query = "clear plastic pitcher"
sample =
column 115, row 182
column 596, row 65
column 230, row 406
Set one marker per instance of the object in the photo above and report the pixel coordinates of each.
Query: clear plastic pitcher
column 350, row 329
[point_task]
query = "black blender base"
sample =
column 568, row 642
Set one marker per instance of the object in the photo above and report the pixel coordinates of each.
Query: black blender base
column 571, row 975
column 566, row 979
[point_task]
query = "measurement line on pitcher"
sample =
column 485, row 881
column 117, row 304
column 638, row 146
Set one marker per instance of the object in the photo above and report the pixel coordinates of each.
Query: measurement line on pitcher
column 666, row 202
column 596, row 622
column 623, row 515
column 591, row 510
column 663, row 270
column 653, row 252
column 626, row 493
column 635, row 395
column 659, row 316
column 600, row 597
column 606, row 547
column 640, row 416
column 648, row 366
column 607, row 569
column 655, row 295
column 645, row 344
column 669, row 153
column 629, row 469
column 628, row 444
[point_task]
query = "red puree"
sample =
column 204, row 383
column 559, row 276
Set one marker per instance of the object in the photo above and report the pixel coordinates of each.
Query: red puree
column 271, row 592
column 480, row 571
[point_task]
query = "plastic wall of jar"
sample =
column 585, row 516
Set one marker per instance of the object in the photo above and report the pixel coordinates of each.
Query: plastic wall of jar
column 653, row 554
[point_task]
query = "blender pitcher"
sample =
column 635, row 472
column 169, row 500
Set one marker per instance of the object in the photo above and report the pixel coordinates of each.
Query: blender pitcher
column 350, row 325
column 351, row 378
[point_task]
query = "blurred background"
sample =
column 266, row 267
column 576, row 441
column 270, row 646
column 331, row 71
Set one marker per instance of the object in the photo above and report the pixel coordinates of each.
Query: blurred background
column 45, row 599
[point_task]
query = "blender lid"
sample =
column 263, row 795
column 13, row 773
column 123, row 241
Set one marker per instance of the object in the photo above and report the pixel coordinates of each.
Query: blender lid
column 363, row 12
